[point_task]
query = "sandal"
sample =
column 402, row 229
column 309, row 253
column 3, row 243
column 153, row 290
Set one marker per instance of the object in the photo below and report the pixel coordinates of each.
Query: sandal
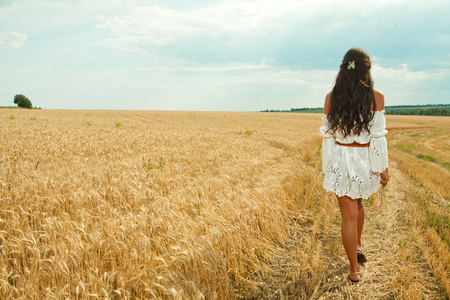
column 360, row 255
column 360, row 274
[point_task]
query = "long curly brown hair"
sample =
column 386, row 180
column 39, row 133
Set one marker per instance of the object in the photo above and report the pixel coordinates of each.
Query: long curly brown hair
column 352, row 100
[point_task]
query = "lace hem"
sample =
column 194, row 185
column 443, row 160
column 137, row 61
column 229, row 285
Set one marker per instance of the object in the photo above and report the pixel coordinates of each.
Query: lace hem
column 342, row 193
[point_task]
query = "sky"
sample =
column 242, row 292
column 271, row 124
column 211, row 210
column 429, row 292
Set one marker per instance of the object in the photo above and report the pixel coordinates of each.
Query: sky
column 217, row 55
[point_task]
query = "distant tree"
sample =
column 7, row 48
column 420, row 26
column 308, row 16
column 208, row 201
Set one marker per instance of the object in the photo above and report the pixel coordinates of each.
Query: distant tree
column 22, row 101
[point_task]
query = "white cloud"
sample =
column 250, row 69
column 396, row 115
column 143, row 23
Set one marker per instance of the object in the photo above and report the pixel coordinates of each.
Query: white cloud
column 402, row 86
column 285, row 32
column 229, row 24
column 401, row 78
column 227, row 19
column 34, row 16
column 12, row 40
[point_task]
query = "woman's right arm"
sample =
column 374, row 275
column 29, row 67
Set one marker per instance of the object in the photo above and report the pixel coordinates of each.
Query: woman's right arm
column 379, row 100
column 378, row 144
column 326, row 106
column 384, row 178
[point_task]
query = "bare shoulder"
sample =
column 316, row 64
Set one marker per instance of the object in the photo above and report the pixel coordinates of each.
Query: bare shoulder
column 379, row 100
column 326, row 106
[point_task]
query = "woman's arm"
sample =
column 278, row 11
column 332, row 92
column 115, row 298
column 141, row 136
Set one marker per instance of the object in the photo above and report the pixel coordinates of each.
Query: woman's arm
column 384, row 178
column 379, row 100
column 326, row 106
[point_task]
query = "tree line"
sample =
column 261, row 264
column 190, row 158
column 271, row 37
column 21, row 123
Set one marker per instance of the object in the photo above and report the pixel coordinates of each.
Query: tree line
column 419, row 110
column 422, row 110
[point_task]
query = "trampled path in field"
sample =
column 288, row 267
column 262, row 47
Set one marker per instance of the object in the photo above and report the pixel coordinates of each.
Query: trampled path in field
column 388, row 244
column 395, row 268
column 406, row 252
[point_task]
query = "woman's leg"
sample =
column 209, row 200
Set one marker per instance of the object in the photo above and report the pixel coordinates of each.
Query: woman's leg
column 349, row 231
column 360, row 219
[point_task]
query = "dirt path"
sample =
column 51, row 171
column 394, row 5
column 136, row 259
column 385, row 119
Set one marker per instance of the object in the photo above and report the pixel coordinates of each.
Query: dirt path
column 394, row 268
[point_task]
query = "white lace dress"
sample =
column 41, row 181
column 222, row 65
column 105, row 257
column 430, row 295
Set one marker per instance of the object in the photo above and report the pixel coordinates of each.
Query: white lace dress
column 355, row 171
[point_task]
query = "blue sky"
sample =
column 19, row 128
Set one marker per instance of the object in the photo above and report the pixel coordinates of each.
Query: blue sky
column 227, row 55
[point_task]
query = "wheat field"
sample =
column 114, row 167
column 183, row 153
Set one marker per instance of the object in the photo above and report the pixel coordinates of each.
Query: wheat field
column 209, row 205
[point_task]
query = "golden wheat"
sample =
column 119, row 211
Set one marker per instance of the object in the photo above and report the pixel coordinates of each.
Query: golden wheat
column 175, row 205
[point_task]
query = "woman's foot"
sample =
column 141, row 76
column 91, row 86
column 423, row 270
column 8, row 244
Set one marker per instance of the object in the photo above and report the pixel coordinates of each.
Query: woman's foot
column 355, row 277
column 360, row 255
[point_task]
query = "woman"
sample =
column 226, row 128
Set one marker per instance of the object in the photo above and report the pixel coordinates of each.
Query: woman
column 354, row 150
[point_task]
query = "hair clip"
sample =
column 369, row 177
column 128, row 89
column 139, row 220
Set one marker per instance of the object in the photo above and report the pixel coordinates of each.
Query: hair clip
column 351, row 65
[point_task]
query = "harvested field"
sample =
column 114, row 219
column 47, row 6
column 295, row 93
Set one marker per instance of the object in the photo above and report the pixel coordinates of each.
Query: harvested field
column 209, row 205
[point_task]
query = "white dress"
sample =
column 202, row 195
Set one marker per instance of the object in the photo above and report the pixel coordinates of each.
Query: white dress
column 355, row 171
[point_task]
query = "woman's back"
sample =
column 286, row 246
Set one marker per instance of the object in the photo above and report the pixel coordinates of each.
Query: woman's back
column 379, row 102
column 376, row 126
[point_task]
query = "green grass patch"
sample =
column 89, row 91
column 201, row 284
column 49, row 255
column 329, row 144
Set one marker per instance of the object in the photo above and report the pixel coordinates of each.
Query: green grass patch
column 17, row 107
column 408, row 148
column 437, row 220
column 151, row 165
column 247, row 132
column 440, row 223
column 427, row 157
